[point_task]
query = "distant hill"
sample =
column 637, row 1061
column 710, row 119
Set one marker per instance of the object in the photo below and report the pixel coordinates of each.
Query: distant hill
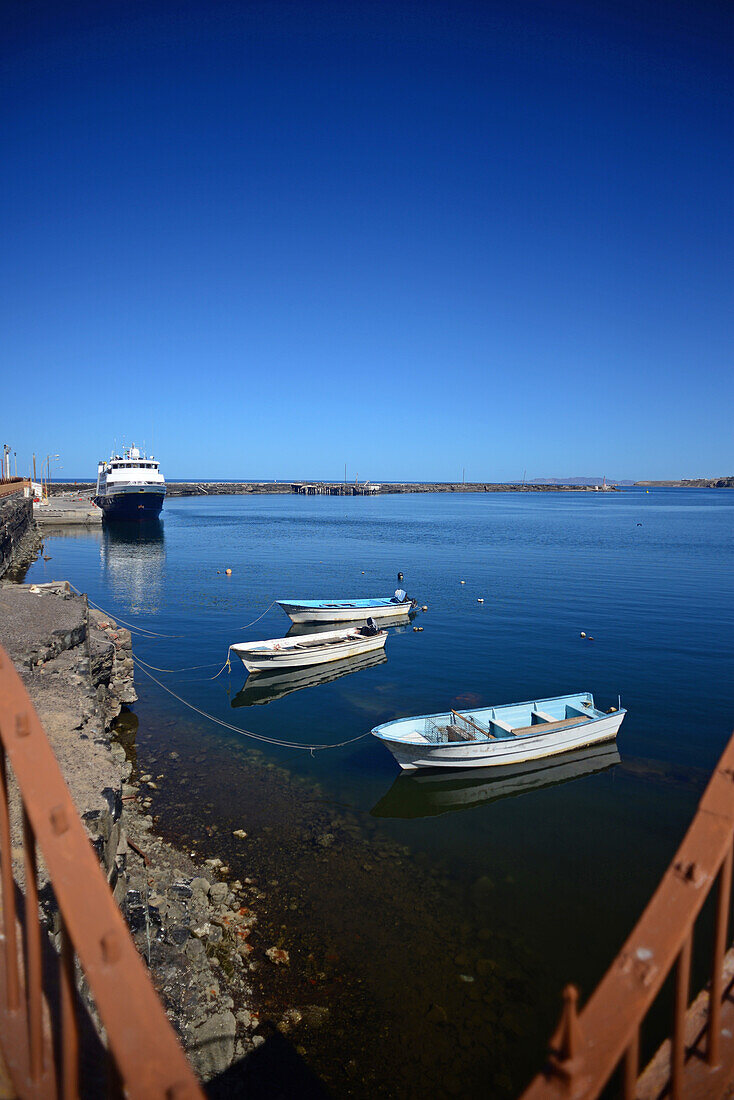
column 577, row 481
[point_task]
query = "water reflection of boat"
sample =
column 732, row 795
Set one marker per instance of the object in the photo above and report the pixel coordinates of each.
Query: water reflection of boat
column 133, row 558
column 426, row 794
column 265, row 687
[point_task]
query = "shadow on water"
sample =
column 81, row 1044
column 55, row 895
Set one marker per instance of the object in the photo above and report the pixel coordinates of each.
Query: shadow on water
column 274, row 1071
column 439, row 792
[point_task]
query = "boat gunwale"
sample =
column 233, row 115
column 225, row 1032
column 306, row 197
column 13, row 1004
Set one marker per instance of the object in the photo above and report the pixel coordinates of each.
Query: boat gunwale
column 276, row 646
column 344, row 605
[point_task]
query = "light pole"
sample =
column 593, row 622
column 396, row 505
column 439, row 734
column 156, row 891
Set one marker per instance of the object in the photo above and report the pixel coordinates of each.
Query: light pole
column 47, row 464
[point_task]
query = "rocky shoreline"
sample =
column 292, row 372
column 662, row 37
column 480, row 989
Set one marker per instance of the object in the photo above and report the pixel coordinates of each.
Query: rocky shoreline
column 190, row 925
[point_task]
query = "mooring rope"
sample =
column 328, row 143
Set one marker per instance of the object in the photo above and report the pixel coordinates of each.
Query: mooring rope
column 238, row 729
column 144, row 630
column 257, row 620
column 188, row 668
column 116, row 618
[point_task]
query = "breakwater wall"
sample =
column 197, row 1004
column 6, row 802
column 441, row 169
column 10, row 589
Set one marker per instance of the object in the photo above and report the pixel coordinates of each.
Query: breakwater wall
column 242, row 488
column 17, row 531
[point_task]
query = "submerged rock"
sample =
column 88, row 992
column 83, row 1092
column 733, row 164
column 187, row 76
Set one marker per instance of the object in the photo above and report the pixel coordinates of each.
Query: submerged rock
column 218, row 893
column 212, row 1047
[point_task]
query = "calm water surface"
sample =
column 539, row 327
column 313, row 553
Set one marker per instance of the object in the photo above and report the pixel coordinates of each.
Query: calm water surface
column 437, row 919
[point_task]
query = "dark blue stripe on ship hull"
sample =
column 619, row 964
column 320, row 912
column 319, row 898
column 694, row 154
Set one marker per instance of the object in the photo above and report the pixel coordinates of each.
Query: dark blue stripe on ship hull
column 131, row 505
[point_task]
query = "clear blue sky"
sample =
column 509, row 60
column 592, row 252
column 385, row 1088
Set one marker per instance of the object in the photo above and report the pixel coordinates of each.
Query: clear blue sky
column 273, row 238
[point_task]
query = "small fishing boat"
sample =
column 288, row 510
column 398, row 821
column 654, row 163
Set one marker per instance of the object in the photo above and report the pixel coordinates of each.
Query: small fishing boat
column 344, row 611
column 394, row 623
column 432, row 791
column 492, row 736
column 266, row 687
column 309, row 649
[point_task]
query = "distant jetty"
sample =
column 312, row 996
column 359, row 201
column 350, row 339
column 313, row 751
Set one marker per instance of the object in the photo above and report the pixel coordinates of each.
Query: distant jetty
column 341, row 488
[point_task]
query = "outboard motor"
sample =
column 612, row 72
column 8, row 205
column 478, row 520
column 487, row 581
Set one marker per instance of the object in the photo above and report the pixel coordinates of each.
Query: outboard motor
column 399, row 596
column 370, row 628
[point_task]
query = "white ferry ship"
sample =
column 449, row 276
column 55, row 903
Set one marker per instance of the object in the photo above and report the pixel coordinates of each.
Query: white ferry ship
column 130, row 486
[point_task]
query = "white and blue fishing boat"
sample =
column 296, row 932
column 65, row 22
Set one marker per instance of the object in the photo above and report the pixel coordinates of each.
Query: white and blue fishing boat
column 492, row 736
column 343, row 611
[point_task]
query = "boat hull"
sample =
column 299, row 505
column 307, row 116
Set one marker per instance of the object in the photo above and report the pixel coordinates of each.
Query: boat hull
column 133, row 503
column 411, row 750
column 291, row 657
column 344, row 611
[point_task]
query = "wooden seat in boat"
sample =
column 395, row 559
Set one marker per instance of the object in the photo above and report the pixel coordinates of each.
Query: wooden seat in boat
column 540, row 714
column 500, row 725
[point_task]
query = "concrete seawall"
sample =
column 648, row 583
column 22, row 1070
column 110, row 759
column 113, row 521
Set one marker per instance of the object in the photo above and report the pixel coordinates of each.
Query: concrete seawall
column 18, row 536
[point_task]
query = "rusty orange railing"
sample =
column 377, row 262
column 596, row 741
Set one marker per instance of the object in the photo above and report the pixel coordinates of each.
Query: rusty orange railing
column 12, row 486
column 40, row 1030
column 589, row 1047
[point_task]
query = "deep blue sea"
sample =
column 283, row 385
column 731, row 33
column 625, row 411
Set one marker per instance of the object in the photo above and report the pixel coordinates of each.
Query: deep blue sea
column 439, row 919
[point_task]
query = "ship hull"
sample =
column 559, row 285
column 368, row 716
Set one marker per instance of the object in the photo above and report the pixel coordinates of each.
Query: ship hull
column 140, row 504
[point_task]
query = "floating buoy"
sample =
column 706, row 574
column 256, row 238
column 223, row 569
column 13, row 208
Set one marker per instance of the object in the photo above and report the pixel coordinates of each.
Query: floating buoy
column 419, row 628
column 415, row 629
column 363, row 572
column 480, row 599
column 589, row 639
column 583, row 635
column 425, row 607
column 228, row 572
column 462, row 582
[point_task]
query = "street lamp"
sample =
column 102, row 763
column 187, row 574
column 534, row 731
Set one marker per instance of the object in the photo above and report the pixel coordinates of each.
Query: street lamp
column 47, row 464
